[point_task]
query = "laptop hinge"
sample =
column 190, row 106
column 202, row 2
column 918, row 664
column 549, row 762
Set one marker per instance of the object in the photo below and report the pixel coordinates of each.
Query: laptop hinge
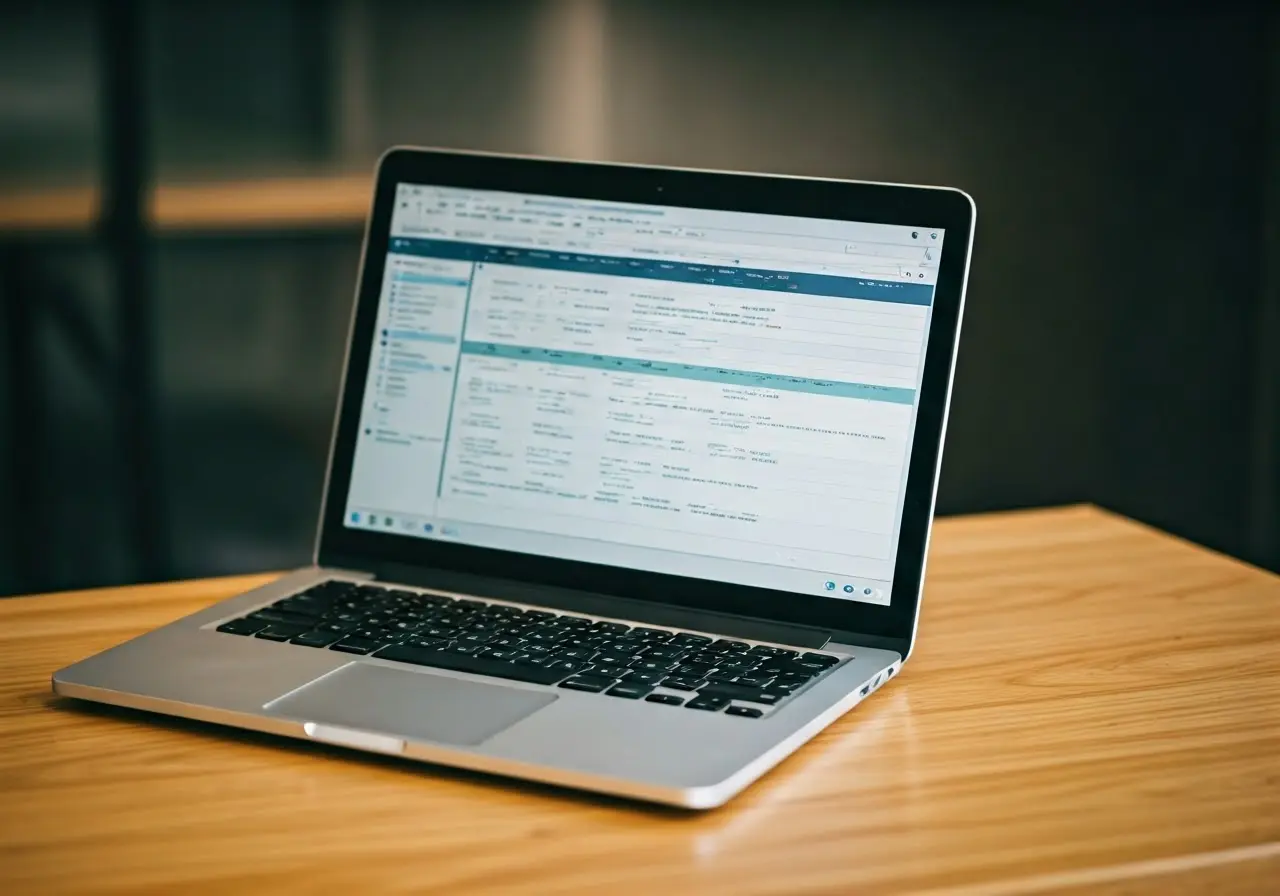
column 593, row 604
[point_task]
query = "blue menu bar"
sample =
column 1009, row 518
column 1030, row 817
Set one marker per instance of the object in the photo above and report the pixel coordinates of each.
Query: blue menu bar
column 675, row 271
column 743, row 378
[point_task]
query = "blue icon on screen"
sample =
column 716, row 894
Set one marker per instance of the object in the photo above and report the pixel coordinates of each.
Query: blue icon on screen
column 867, row 592
column 427, row 527
column 355, row 517
column 848, row 589
column 831, row 586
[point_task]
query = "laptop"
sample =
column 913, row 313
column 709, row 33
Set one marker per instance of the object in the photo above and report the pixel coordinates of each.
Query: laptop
column 631, row 481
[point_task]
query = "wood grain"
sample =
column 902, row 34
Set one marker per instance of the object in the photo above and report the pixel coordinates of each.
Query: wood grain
column 248, row 205
column 1094, row 707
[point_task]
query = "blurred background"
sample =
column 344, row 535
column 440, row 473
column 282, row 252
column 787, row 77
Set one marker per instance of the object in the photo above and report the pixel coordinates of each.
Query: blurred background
column 183, row 187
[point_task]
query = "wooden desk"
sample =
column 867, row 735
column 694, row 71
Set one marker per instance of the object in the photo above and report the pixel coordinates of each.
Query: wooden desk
column 1094, row 707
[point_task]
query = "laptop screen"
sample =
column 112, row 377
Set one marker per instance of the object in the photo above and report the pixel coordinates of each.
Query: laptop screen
column 720, row 395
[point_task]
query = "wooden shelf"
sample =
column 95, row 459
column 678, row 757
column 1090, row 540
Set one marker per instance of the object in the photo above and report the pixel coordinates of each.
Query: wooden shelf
column 266, row 204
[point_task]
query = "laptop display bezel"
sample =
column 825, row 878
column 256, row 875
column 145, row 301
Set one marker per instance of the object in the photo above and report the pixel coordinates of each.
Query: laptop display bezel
column 925, row 207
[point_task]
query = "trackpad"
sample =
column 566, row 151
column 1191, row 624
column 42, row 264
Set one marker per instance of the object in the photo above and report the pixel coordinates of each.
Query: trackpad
column 413, row 705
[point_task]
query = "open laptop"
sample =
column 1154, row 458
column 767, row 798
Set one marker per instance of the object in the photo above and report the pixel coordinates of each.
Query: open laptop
column 631, row 482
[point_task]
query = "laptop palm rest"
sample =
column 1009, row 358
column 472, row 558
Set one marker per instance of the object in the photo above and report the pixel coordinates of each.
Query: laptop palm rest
column 363, row 697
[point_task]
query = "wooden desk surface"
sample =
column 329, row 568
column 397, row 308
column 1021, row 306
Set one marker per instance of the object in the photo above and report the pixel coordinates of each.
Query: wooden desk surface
column 1094, row 707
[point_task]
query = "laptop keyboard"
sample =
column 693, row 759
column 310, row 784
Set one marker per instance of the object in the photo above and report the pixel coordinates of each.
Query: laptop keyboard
column 578, row 653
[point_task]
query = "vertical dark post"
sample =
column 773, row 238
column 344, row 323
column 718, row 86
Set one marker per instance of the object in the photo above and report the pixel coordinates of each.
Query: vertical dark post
column 1266, row 429
column 28, row 422
column 125, row 175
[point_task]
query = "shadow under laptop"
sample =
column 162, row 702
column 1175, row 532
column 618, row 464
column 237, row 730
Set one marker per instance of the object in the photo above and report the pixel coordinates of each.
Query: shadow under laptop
column 882, row 725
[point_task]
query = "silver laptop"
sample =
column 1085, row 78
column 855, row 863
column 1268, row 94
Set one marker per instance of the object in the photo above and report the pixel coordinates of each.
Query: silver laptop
column 631, row 481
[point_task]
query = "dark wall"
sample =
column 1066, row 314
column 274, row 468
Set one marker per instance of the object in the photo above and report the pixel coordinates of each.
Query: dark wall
column 1117, row 159
column 1119, row 343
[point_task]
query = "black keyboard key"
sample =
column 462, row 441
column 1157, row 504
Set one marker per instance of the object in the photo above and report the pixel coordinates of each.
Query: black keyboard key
column 281, row 632
column 788, row 670
column 475, row 638
column 797, row 678
column 722, row 675
column 664, row 652
column 545, row 637
column 242, row 626
column 567, row 667
column 275, row 616
column 649, row 678
column 712, row 703
column 748, row 712
column 610, row 670
column 426, row 643
column 505, row 640
column 748, row 682
column 767, row 653
column 820, row 659
column 737, row 692
column 477, row 665
column 300, row 606
column 539, row 614
column 316, row 639
column 577, row 653
column 731, row 646
column 505, row 612
column 652, row 634
column 693, row 670
column 588, row 683
column 467, row 649
column 789, row 673
column 338, row 628
column 607, row 658
column 356, row 645
column 610, row 627
column 665, row 699
column 688, row 639
column 504, row 654
column 629, row 691
column 705, row 658
column 644, row 664
column 682, row 684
